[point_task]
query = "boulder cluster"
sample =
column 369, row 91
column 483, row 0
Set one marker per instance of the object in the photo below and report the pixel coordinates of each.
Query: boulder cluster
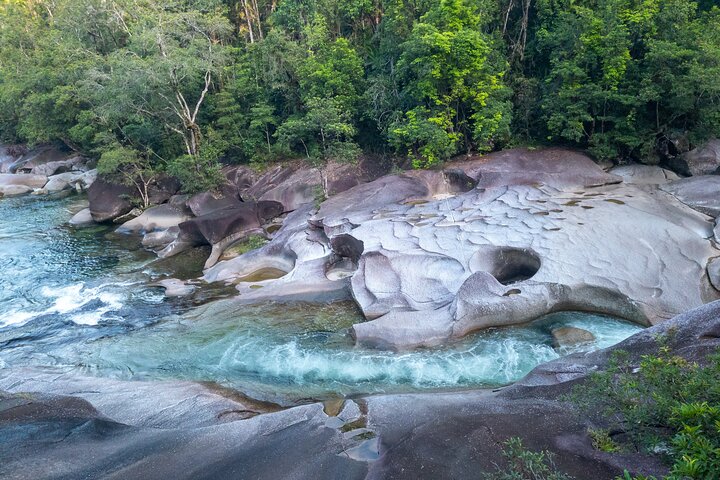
column 46, row 169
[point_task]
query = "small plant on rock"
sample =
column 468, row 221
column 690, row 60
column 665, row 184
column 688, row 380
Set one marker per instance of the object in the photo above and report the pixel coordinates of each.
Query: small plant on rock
column 602, row 441
column 523, row 464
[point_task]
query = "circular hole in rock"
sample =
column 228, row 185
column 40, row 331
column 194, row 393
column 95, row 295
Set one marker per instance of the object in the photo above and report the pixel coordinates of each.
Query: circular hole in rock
column 507, row 264
column 515, row 265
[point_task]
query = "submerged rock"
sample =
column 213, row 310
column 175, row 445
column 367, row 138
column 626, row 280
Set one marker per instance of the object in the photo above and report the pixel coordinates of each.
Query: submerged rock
column 176, row 288
column 571, row 337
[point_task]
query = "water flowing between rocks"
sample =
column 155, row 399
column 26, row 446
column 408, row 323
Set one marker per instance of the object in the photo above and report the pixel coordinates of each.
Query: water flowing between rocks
column 79, row 299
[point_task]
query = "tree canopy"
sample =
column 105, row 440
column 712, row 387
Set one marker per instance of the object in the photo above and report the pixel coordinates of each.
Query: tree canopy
column 180, row 85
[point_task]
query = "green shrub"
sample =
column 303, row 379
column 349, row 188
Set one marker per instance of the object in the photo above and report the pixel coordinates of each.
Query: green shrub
column 696, row 444
column 602, row 441
column 667, row 406
column 522, row 464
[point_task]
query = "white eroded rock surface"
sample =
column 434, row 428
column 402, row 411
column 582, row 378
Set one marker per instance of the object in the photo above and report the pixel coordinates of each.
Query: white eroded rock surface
column 442, row 258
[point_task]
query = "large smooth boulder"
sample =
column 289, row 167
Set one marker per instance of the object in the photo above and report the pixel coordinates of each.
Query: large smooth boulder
column 568, row 337
column 83, row 217
column 408, row 280
column 335, row 214
column 160, row 217
column 704, row 160
column 14, row 190
column 20, row 184
column 238, row 178
column 221, row 228
column 109, row 200
column 523, row 252
column 217, row 225
column 298, row 256
column 161, row 239
column 342, row 176
column 292, row 186
column 153, row 430
column 205, row 203
column 701, row 193
column 58, row 166
column 62, row 181
column 553, row 167
column 162, row 189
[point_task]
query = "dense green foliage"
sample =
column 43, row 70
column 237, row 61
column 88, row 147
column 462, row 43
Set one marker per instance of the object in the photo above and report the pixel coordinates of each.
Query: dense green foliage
column 177, row 85
column 668, row 406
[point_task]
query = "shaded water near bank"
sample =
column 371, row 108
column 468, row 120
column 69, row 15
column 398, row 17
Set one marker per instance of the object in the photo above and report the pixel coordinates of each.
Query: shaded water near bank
column 77, row 299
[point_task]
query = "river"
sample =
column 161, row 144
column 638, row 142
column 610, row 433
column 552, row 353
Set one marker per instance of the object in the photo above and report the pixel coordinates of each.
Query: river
column 79, row 299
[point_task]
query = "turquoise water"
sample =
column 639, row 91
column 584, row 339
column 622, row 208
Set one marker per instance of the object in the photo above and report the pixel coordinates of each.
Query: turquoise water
column 78, row 299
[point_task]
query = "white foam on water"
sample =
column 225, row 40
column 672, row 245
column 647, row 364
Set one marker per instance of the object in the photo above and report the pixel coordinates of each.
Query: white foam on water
column 66, row 300
column 492, row 362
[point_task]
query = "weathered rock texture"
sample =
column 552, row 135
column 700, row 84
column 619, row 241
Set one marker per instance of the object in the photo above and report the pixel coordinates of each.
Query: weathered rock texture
column 701, row 193
column 497, row 240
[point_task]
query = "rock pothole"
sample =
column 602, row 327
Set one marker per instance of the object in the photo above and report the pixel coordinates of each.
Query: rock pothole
column 507, row 264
